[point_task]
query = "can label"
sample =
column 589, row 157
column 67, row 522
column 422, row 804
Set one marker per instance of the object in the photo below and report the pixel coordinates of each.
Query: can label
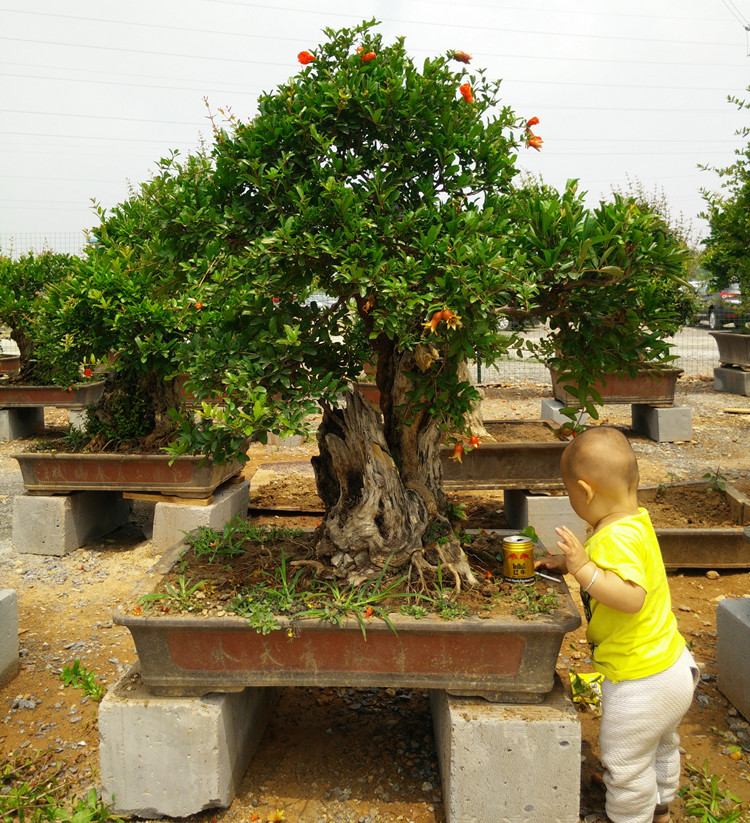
column 518, row 559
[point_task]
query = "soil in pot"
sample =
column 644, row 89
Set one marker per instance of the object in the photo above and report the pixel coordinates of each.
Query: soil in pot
column 517, row 432
column 264, row 572
column 683, row 506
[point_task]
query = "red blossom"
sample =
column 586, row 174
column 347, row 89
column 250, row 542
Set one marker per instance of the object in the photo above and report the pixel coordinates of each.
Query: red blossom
column 305, row 57
column 369, row 55
column 199, row 305
column 369, row 611
column 434, row 321
column 465, row 90
column 533, row 141
column 474, row 441
column 462, row 56
column 87, row 372
column 534, row 121
column 458, row 452
column 360, row 49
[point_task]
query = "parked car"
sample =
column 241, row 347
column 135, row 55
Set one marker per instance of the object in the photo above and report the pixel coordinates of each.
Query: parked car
column 718, row 307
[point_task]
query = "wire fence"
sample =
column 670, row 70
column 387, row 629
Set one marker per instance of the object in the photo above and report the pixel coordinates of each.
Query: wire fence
column 695, row 349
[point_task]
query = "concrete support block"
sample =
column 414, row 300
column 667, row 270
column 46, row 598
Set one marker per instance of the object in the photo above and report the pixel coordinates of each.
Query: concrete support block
column 175, row 756
column 551, row 411
column 60, row 524
column 173, row 520
column 21, row 422
column 733, row 652
column 544, row 512
column 662, row 424
column 78, row 419
column 9, row 660
column 732, row 380
column 508, row 763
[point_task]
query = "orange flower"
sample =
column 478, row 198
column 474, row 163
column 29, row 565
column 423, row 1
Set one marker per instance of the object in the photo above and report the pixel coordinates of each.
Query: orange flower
column 360, row 49
column 458, row 452
column 534, row 121
column 199, row 305
column 453, row 321
column 367, row 56
column 87, row 372
column 462, row 56
column 433, row 323
column 533, row 141
column 489, row 575
column 465, row 90
column 369, row 611
column 305, row 57
column 474, row 441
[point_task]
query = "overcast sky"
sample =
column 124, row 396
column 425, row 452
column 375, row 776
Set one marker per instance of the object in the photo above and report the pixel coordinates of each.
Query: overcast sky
column 93, row 93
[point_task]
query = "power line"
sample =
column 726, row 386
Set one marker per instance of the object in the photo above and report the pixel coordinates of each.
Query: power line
column 451, row 24
column 103, row 117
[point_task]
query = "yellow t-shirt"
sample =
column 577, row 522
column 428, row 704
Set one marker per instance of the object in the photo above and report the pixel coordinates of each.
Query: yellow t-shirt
column 630, row 646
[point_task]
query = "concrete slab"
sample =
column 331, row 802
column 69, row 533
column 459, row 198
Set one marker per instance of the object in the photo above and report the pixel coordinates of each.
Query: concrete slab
column 732, row 380
column 21, row 422
column 508, row 763
column 59, row 524
column 551, row 411
column 662, row 424
column 175, row 756
column 544, row 512
column 733, row 651
column 9, row 659
column 173, row 520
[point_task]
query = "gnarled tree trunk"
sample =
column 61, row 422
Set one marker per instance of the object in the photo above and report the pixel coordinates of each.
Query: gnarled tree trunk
column 381, row 483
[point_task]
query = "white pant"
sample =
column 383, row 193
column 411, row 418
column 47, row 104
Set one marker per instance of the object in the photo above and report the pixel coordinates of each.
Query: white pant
column 638, row 739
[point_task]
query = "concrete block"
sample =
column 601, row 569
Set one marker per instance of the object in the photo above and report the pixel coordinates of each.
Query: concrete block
column 9, row 660
column 59, row 524
column 508, row 763
column 21, row 422
column 662, row 424
column 173, row 520
column 551, row 411
column 732, row 380
column 175, row 756
column 544, row 512
column 78, row 419
column 733, row 652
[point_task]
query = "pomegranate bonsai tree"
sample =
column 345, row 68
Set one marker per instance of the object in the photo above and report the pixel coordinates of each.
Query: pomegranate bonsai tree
column 366, row 215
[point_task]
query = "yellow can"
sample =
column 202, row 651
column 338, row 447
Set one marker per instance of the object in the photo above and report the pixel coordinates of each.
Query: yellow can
column 518, row 559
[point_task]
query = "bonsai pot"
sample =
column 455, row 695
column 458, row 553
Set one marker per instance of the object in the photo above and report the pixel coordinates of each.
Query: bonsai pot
column 521, row 463
column 734, row 348
column 500, row 658
column 10, row 363
column 652, row 385
column 700, row 547
column 77, row 396
column 184, row 476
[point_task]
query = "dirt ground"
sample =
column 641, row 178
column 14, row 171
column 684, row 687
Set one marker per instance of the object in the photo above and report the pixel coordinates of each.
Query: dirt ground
column 346, row 755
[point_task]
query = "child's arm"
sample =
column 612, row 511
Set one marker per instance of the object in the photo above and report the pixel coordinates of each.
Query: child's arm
column 602, row 584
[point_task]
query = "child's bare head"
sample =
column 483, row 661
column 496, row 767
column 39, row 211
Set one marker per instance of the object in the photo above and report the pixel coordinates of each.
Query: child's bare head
column 603, row 458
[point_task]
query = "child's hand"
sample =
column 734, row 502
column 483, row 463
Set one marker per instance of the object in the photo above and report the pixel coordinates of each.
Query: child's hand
column 572, row 548
column 553, row 562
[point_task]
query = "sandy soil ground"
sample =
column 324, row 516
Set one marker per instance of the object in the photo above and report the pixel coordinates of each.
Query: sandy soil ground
column 344, row 755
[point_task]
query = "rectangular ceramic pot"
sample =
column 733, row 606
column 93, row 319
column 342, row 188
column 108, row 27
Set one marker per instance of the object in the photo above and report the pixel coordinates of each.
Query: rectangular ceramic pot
column 504, row 658
column 708, row 548
column 184, row 476
column 734, row 348
column 650, row 385
column 74, row 397
column 523, row 464
column 10, row 363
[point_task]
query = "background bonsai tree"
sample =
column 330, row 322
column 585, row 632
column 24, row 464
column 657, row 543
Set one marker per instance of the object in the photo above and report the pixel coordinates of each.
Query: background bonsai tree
column 388, row 188
column 24, row 285
column 727, row 254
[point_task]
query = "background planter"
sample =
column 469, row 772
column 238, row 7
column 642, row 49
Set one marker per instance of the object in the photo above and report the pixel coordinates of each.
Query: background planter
column 187, row 476
column 523, row 464
column 10, row 363
column 734, row 349
column 706, row 548
column 20, row 396
column 650, row 385
column 504, row 658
